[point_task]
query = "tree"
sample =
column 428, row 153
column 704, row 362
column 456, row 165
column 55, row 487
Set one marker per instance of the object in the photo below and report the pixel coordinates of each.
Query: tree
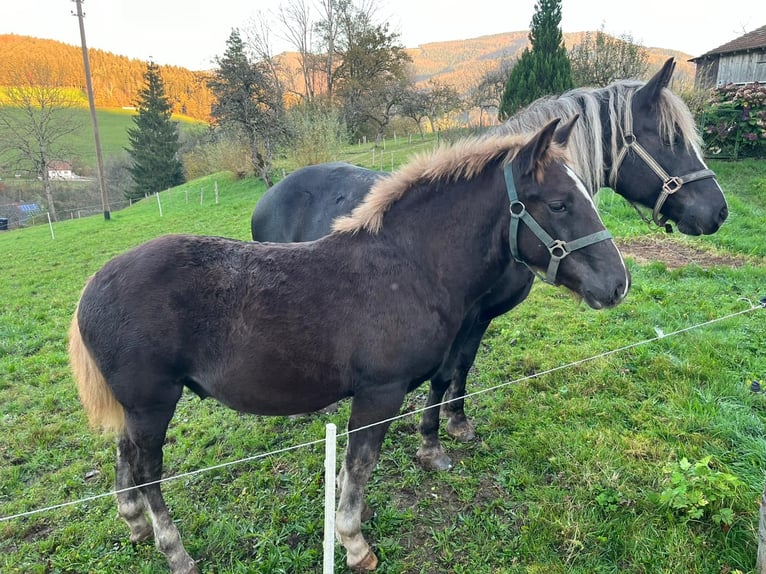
column 488, row 91
column 153, row 141
column 543, row 70
column 35, row 120
column 433, row 103
column 601, row 59
column 372, row 70
column 247, row 104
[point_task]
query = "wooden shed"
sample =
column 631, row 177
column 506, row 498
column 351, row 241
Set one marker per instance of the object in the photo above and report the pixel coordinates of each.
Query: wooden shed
column 740, row 61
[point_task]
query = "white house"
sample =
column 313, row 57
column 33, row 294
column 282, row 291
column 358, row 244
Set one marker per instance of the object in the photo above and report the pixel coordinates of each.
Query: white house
column 58, row 169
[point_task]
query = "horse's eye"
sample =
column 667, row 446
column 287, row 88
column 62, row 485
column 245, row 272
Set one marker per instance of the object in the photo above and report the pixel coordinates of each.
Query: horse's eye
column 557, row 206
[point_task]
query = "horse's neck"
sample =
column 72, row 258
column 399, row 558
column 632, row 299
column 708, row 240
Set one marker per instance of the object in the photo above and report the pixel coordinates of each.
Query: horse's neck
column 458, row 231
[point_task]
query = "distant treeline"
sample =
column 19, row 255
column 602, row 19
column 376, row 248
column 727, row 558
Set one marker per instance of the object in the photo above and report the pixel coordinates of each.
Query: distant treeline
column 116, row 79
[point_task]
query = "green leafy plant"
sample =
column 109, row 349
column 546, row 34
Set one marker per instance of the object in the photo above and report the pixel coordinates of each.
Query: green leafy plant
column 734, row 121
column 697, row 489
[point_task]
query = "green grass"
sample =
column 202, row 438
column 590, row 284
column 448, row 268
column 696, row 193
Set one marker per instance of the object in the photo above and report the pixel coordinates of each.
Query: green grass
column 112, row 125
column 566, row 475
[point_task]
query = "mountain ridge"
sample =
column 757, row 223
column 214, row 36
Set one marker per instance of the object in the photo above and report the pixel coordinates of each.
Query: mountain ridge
column 117, row 78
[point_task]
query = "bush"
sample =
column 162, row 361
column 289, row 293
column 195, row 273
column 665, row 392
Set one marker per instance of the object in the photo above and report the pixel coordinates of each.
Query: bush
column 734, row 121
column 317, row 135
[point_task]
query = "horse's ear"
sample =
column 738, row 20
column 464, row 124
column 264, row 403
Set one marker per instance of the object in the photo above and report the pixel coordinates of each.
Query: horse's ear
column 561, row 136
column 529, row 156
column 649, row 94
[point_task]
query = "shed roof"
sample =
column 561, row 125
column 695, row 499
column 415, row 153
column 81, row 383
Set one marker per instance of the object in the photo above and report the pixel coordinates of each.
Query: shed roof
column 750, row 41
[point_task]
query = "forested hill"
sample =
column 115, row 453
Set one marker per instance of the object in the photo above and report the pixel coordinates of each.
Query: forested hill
column 117, row 79
column 460, row 63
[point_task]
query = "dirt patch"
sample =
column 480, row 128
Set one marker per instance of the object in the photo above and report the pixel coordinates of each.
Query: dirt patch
column 675, row 253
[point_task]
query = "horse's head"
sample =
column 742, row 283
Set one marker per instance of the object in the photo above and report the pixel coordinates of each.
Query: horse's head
column 555, row 226
column 656, row 159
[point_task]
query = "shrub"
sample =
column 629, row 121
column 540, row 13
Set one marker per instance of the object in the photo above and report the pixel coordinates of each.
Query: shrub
column 734, row 121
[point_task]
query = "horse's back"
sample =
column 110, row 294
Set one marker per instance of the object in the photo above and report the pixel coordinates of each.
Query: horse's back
column 304, row 204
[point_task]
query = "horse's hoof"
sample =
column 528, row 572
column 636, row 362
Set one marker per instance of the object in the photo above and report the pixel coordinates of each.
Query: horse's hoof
column 462, row 430
column 367, row 564
column 435, row 460
column 146, row 533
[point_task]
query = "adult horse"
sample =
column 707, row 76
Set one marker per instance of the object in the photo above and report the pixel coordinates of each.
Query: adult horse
column 640, row 138
column 366, row 312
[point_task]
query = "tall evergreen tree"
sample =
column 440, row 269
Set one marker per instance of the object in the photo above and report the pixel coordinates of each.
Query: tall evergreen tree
column 248, row 104
column 543, row 70
column 154, row 141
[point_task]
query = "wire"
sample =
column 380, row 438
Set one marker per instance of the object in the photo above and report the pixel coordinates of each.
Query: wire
column 660, row 335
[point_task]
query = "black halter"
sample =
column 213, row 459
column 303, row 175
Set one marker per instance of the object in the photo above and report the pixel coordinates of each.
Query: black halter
column 556, row 247
column 670, row 184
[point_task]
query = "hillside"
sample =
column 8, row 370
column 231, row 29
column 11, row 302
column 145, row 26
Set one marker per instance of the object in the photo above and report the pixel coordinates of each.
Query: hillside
column 117, row 79
column 461, row 63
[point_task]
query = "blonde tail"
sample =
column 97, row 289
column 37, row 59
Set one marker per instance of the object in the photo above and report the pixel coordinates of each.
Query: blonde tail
column 102, row 408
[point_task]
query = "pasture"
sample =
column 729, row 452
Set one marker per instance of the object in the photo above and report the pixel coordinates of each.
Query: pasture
column 580, row 470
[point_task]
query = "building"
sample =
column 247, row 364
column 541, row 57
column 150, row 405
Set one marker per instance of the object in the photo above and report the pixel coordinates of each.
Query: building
column 740, row 61
column 58, row 169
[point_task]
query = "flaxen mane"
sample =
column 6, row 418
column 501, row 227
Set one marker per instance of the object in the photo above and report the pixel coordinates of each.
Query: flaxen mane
column 462, row 160
column 585, row 143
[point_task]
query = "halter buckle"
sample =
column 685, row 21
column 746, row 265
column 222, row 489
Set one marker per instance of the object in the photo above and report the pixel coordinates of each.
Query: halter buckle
column 629, row 139
column 672, row 185
column 518, row 209
column 558, row 249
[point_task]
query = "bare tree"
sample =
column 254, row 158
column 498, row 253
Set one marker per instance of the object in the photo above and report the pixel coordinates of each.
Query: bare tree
column 258, row 39
column 34, row 124
column 601, row 59
column 296, row 21
column 488, row 92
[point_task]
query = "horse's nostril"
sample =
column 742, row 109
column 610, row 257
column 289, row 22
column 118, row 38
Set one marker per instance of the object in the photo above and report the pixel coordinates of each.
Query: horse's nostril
column 724, row 213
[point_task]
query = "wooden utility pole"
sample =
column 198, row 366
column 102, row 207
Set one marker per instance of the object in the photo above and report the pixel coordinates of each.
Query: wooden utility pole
column 92, row 104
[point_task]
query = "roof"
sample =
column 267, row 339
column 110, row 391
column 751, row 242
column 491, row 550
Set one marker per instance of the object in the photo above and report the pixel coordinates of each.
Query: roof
column 751, row 41
column 57, row 164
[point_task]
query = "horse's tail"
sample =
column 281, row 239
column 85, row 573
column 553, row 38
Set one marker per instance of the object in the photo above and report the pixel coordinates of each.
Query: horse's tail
column 102, row 408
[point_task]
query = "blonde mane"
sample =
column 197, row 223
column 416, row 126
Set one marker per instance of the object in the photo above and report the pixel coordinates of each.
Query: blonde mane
column 463, row 160
column 585, row 143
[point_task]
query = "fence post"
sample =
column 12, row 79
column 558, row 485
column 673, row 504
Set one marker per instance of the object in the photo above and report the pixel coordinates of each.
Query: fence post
column 159, row 204
column 329, row 498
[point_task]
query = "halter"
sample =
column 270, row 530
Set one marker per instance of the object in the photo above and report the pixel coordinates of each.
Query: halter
column 670, row 184
column 556, row 247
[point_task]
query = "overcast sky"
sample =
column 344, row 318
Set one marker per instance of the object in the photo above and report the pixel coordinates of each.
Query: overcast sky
column 191, row 33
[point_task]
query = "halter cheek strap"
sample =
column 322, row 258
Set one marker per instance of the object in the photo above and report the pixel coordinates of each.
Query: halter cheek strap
column 670, row 184
column 557, row 248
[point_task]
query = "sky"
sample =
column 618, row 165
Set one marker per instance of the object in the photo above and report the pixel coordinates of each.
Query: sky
column 191, row 33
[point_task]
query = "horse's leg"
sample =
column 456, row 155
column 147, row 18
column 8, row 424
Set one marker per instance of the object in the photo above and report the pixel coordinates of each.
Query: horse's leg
column 361, row 456
column 451, row 374
column 431, row 454
column 130, row 502
column 458, row 425
column 147, row 433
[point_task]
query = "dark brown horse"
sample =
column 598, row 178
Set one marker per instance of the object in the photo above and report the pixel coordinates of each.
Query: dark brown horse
column 367, row 312
column 639, row 138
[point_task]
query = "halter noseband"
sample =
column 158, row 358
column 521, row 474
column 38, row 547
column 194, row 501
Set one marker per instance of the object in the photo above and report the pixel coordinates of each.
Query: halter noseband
column 556, row 247
column 670, row 184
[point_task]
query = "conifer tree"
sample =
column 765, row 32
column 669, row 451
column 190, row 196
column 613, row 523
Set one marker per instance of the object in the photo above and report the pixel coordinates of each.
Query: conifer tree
column 543, row 70
column 154, row 141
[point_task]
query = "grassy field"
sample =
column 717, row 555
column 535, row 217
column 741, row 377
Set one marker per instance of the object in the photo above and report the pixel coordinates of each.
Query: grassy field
column 647, row 460
column 112, row 125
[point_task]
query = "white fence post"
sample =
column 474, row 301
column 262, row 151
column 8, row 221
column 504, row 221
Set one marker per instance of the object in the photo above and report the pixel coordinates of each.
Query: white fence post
column 329, row 498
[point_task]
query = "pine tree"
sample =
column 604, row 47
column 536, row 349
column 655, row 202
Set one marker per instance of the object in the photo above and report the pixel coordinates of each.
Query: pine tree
column 154, row 141
column 543, row 70
column 247, row 104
